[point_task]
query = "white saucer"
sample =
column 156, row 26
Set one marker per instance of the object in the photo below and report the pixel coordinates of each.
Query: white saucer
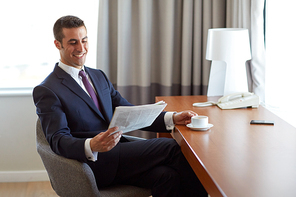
column 199, row 129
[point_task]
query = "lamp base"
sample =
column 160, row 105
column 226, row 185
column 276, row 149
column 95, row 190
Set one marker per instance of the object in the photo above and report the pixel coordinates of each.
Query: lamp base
column 217, row 79
column 227, row 78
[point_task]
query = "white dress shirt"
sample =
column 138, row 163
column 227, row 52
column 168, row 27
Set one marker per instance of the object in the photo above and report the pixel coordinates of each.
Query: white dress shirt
column 74, row 73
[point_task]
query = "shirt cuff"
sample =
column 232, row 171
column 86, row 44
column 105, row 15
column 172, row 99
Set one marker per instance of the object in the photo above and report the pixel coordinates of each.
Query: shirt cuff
column 168, row 120
column 92, row 156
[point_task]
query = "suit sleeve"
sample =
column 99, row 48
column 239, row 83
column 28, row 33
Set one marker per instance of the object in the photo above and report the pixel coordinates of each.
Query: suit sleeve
column 54, row 125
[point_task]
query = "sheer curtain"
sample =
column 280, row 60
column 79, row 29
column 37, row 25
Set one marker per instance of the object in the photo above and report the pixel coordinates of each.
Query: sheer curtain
column 250, row 14
column 154, row 48
column 280, row 66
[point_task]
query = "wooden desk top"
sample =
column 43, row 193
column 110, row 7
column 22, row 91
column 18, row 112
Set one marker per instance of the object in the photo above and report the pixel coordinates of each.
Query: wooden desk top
column 235, row 158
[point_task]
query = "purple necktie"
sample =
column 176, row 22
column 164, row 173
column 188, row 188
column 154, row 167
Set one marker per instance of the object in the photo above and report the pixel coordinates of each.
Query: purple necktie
column 89, row 88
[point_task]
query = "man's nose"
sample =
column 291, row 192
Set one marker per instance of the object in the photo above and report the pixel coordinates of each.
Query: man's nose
column 80, row 47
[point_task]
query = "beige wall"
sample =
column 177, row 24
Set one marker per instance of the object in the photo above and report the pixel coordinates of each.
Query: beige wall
column 18, row 155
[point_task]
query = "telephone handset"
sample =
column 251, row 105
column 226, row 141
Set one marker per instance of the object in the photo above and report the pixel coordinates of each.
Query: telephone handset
column 239, row 100
column 234, row 96
column 233, row 101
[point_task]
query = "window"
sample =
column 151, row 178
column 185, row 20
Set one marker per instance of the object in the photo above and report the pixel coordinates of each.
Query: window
column 27, row 48
column 280, row 62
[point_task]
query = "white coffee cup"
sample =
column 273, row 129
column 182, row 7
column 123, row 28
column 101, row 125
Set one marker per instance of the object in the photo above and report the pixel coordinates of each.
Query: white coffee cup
column 199, row 121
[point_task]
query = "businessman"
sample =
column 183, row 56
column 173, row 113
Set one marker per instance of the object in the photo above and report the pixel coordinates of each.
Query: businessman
column 75, row 105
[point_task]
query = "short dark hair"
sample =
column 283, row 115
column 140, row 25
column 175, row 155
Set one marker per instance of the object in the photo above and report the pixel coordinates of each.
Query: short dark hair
column 65, row 22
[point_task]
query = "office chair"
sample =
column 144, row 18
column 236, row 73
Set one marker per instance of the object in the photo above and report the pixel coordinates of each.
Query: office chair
column 72, row 178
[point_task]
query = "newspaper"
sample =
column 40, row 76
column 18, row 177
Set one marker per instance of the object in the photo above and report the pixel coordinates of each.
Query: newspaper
column 129, row 118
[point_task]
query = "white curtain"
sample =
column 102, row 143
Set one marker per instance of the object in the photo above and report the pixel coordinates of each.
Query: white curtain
column 250, row 14
column 154, row 48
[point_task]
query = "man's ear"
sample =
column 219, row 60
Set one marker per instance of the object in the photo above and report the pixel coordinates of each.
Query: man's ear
column 58, row 44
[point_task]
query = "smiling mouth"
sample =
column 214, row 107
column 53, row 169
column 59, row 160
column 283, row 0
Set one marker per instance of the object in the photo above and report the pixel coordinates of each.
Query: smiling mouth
column 79, row 56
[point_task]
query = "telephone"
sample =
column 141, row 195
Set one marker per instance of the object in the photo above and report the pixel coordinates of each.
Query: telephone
column 233, row 101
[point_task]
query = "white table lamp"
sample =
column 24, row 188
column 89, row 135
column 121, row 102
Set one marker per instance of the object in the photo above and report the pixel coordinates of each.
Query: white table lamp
column 229, row 49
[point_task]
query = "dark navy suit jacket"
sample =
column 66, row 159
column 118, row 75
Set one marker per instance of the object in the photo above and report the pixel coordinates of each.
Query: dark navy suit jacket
column 68, row 116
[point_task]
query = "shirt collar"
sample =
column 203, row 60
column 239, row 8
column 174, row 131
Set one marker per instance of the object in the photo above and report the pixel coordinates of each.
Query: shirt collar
column 70, row 69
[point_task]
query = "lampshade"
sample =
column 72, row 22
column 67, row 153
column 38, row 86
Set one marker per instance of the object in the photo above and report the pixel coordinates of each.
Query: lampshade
column 229, row 49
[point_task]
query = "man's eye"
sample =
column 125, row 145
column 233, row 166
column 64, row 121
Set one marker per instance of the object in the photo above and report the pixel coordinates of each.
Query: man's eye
column 72, row 43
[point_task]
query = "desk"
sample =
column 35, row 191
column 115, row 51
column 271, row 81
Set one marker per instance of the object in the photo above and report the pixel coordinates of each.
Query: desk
column 235, row 158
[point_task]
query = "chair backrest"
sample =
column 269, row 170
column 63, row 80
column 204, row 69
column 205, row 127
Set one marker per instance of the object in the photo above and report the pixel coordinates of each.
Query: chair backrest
column 72, row 178
column 68, row 177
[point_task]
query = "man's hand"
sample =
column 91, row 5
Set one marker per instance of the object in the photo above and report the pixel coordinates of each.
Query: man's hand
column 183, row 117
column 104, row 141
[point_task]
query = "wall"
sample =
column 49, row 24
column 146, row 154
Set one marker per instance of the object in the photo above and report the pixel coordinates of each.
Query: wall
column 19, row 160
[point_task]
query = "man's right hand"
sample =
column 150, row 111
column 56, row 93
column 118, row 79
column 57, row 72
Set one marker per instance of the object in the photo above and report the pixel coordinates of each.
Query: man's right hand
column 104, row 141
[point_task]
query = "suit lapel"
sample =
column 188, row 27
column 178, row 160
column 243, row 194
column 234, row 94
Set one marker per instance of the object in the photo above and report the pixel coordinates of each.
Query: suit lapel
column 69, row 82
column 104, row 105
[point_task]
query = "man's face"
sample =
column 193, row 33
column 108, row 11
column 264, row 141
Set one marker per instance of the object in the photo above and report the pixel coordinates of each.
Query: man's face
column 74, row 46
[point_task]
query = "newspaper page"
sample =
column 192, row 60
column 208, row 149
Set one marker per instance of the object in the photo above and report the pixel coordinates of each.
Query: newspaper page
column 129, row 118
